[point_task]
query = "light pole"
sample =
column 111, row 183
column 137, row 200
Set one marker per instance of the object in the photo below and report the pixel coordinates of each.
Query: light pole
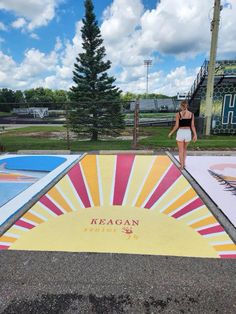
column 211, row 66
column 147, row 64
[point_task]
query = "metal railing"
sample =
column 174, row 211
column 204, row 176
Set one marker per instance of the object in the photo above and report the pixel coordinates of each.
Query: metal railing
column 197, row 82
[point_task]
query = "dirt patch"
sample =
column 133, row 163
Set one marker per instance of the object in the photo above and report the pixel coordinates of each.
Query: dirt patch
column 49, row 135
column 73, row 136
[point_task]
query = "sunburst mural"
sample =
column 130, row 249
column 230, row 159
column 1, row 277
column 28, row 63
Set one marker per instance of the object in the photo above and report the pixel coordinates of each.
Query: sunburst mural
column 121, row 204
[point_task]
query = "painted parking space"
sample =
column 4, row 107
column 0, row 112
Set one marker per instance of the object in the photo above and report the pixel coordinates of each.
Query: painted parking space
column 23, row 176
column 217, row 176
column 121, row 204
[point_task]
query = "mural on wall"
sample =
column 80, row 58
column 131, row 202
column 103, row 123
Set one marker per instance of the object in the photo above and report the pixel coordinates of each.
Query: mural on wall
column 20, row 174
column 229, row 109
column 217, row 176
column 225, row 67
column 224, row 98
column 121, row 204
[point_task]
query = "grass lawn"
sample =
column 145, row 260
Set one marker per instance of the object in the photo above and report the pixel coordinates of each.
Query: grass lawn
column 38, row 137
column 32, row 129
column 13, row 144
column 158, row 139
column 5, row 114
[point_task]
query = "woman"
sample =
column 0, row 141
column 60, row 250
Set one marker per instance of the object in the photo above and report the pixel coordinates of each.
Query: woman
column 184, row 123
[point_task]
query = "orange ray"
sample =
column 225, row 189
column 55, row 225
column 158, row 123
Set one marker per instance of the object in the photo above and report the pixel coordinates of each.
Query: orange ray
column 225, row 247
column 204, row 222
column 55, row 194
column 186, row 197
column 33, row 218
column 7, row 239
column 89, row 165
column 158, row 169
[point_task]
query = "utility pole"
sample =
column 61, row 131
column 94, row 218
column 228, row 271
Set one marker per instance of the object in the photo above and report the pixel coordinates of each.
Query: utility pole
column 211, row 66
column 147, row 64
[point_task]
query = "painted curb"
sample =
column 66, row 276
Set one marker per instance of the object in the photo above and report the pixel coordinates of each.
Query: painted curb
column 212, row 206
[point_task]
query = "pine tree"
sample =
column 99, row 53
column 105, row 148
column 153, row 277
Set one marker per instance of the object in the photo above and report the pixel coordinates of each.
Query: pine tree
column 98, row 110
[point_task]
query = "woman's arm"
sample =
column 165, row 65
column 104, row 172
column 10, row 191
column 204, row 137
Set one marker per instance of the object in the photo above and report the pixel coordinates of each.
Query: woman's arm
column 193, row 129
column 176, row 125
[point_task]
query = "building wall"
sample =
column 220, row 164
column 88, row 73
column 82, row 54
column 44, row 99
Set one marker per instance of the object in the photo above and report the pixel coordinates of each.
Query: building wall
column 224, row 98
column 224, row 108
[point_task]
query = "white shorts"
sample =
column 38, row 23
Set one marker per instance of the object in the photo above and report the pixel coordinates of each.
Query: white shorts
column 184, row 135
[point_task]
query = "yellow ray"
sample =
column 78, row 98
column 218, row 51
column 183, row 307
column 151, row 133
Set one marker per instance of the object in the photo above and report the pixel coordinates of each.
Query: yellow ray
column 65, row 185
column 159, row 167
column 195, row 214
column 17, row 231
column 140, row 170
column 186, row 197
column 176, row 189
column 39, row 209
column 106, row 164
column 219, row 238
column 155, row 234
column 57, row 196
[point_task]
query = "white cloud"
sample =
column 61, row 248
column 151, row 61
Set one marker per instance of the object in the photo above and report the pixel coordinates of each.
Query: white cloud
column 181, row 30
column 134, row 35
column 168, row 29
column 7, row 64
column 52, row 70
column 2, row 27
column 119, row 30
column 24, row 75
column 62, row 78
column 174, row 29
column 120, row 19
column 131, row 35
column 177, row 80
column 19, row 23
column 227, row 32
column 37, row 13
column 34, row 36
column 58, row 45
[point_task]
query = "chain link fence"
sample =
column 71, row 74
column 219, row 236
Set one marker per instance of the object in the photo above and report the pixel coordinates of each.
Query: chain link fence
column 58, row 114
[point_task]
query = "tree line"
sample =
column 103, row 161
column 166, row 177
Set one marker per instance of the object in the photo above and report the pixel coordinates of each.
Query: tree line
column 10, row 99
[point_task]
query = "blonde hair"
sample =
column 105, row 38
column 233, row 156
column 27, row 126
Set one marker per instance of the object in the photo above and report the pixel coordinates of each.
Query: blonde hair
column 184, row 104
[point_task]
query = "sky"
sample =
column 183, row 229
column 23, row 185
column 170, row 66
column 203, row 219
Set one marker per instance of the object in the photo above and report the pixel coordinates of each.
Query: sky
column 40, row 39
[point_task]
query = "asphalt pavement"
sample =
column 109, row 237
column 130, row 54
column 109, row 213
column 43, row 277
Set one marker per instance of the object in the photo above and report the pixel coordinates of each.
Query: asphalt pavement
column 49, row 282
column 58, row 282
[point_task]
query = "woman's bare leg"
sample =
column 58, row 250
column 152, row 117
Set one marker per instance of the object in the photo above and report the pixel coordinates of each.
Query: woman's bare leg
column 181, row 153
column 185, row 152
